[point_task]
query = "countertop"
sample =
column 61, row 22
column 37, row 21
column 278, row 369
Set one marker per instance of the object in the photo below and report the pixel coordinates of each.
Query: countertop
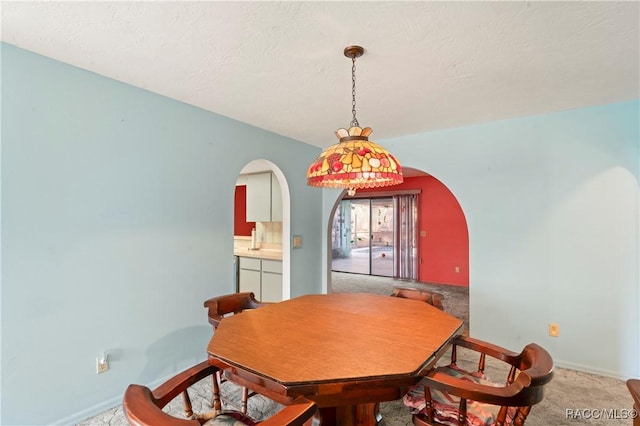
column 259, row 254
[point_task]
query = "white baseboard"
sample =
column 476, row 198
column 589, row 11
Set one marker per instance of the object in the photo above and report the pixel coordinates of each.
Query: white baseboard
column 94, row 410
column 89, row 412
column 114, row 402
column 588, row 369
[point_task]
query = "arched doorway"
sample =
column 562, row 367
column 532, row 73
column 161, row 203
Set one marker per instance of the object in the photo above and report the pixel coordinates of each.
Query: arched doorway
column 439, row 243
column 270, row 233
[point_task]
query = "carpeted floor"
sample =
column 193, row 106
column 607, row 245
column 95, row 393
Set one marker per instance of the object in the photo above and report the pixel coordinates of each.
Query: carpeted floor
column 595, row 395
column 455, row 298
column 569, row 389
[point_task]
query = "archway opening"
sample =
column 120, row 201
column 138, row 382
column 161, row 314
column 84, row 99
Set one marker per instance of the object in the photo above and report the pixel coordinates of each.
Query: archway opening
column 377, row 241
column 263, row 221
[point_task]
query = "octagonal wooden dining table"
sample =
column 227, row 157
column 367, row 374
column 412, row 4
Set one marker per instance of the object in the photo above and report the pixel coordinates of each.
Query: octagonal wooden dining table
column 345, row 351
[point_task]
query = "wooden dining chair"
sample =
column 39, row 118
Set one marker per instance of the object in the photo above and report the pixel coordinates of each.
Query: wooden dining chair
column 221, row 307
column 432, row 298
column 230, row 304
column 144, row 407
column 450, row 395
column 634, row 388
column 429, row 297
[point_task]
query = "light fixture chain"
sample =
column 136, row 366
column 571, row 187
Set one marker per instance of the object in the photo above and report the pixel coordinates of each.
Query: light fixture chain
column 354, row 162
column 354, row 122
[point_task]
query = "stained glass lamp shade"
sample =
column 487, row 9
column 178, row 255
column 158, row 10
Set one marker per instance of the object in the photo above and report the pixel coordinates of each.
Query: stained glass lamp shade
column 354, row 163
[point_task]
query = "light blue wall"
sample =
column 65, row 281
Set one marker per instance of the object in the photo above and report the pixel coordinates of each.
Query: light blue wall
column 117, row 223
column 552, row 204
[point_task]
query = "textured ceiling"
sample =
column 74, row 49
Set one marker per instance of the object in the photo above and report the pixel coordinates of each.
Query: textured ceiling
column 279, row 65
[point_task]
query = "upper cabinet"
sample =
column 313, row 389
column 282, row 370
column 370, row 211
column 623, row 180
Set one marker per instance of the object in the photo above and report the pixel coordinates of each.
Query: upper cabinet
column 276, row 199
column 264, row 198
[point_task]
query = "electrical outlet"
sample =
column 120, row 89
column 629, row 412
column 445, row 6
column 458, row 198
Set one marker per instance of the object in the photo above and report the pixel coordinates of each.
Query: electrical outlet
column 457, row 269
column 102, row 364
column 554, row 330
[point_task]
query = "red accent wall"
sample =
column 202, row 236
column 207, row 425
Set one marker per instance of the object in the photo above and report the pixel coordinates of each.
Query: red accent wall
column 240, row 224
column 445, row 244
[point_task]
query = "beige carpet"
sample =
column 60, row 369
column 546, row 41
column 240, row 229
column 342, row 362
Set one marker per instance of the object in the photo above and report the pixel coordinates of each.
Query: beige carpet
column 455, row 298
column 569, row 390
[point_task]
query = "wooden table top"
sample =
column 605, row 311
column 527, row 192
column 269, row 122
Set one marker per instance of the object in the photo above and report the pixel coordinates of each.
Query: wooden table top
column 335, row 338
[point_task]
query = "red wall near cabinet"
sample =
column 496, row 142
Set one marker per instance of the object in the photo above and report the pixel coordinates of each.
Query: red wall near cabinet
column 445, row 244
column 240, row 224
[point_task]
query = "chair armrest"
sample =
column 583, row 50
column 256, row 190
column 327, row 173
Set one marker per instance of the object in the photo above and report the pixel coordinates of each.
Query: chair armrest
column 490, row 349
column 495, row 395
column 532, row 368
column 181, row 381
column 294, row 414
column 218, row 307
column 139, row 410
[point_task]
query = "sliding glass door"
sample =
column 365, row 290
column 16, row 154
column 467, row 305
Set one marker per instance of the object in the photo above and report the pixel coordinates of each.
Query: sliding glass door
column 381, row 248
column 350, row 248
column 363, row 237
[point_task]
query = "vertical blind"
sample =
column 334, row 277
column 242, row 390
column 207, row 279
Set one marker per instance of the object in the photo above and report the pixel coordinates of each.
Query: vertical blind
column 405, row 236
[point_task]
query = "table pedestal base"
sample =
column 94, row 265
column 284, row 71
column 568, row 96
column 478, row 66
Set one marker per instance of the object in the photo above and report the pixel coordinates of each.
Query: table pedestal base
column 348, row 415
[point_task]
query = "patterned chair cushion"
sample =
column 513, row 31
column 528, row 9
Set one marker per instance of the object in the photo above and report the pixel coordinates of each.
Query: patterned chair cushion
column 446, row 406
column 230, row 418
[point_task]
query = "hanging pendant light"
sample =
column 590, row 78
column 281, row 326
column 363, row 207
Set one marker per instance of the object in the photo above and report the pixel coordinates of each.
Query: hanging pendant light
column 355, row 162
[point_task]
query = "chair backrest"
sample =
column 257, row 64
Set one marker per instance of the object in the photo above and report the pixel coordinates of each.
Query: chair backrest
column 530, row 370
column 429, row 297
column 143, row 407
column 634, row 389
column 234, row 303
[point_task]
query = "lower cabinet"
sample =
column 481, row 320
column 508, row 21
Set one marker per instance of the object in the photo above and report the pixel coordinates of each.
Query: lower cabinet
column 263, row 277
column 249, row 276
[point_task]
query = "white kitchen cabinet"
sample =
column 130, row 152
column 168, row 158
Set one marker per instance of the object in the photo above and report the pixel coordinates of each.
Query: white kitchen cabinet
column 250, row 276
column 264, row 198
column 271, row 280
column 263, row 277
column 276, row 199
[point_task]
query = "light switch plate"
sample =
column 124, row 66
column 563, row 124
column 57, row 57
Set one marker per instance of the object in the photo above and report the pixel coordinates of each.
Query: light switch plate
column 297, row 241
